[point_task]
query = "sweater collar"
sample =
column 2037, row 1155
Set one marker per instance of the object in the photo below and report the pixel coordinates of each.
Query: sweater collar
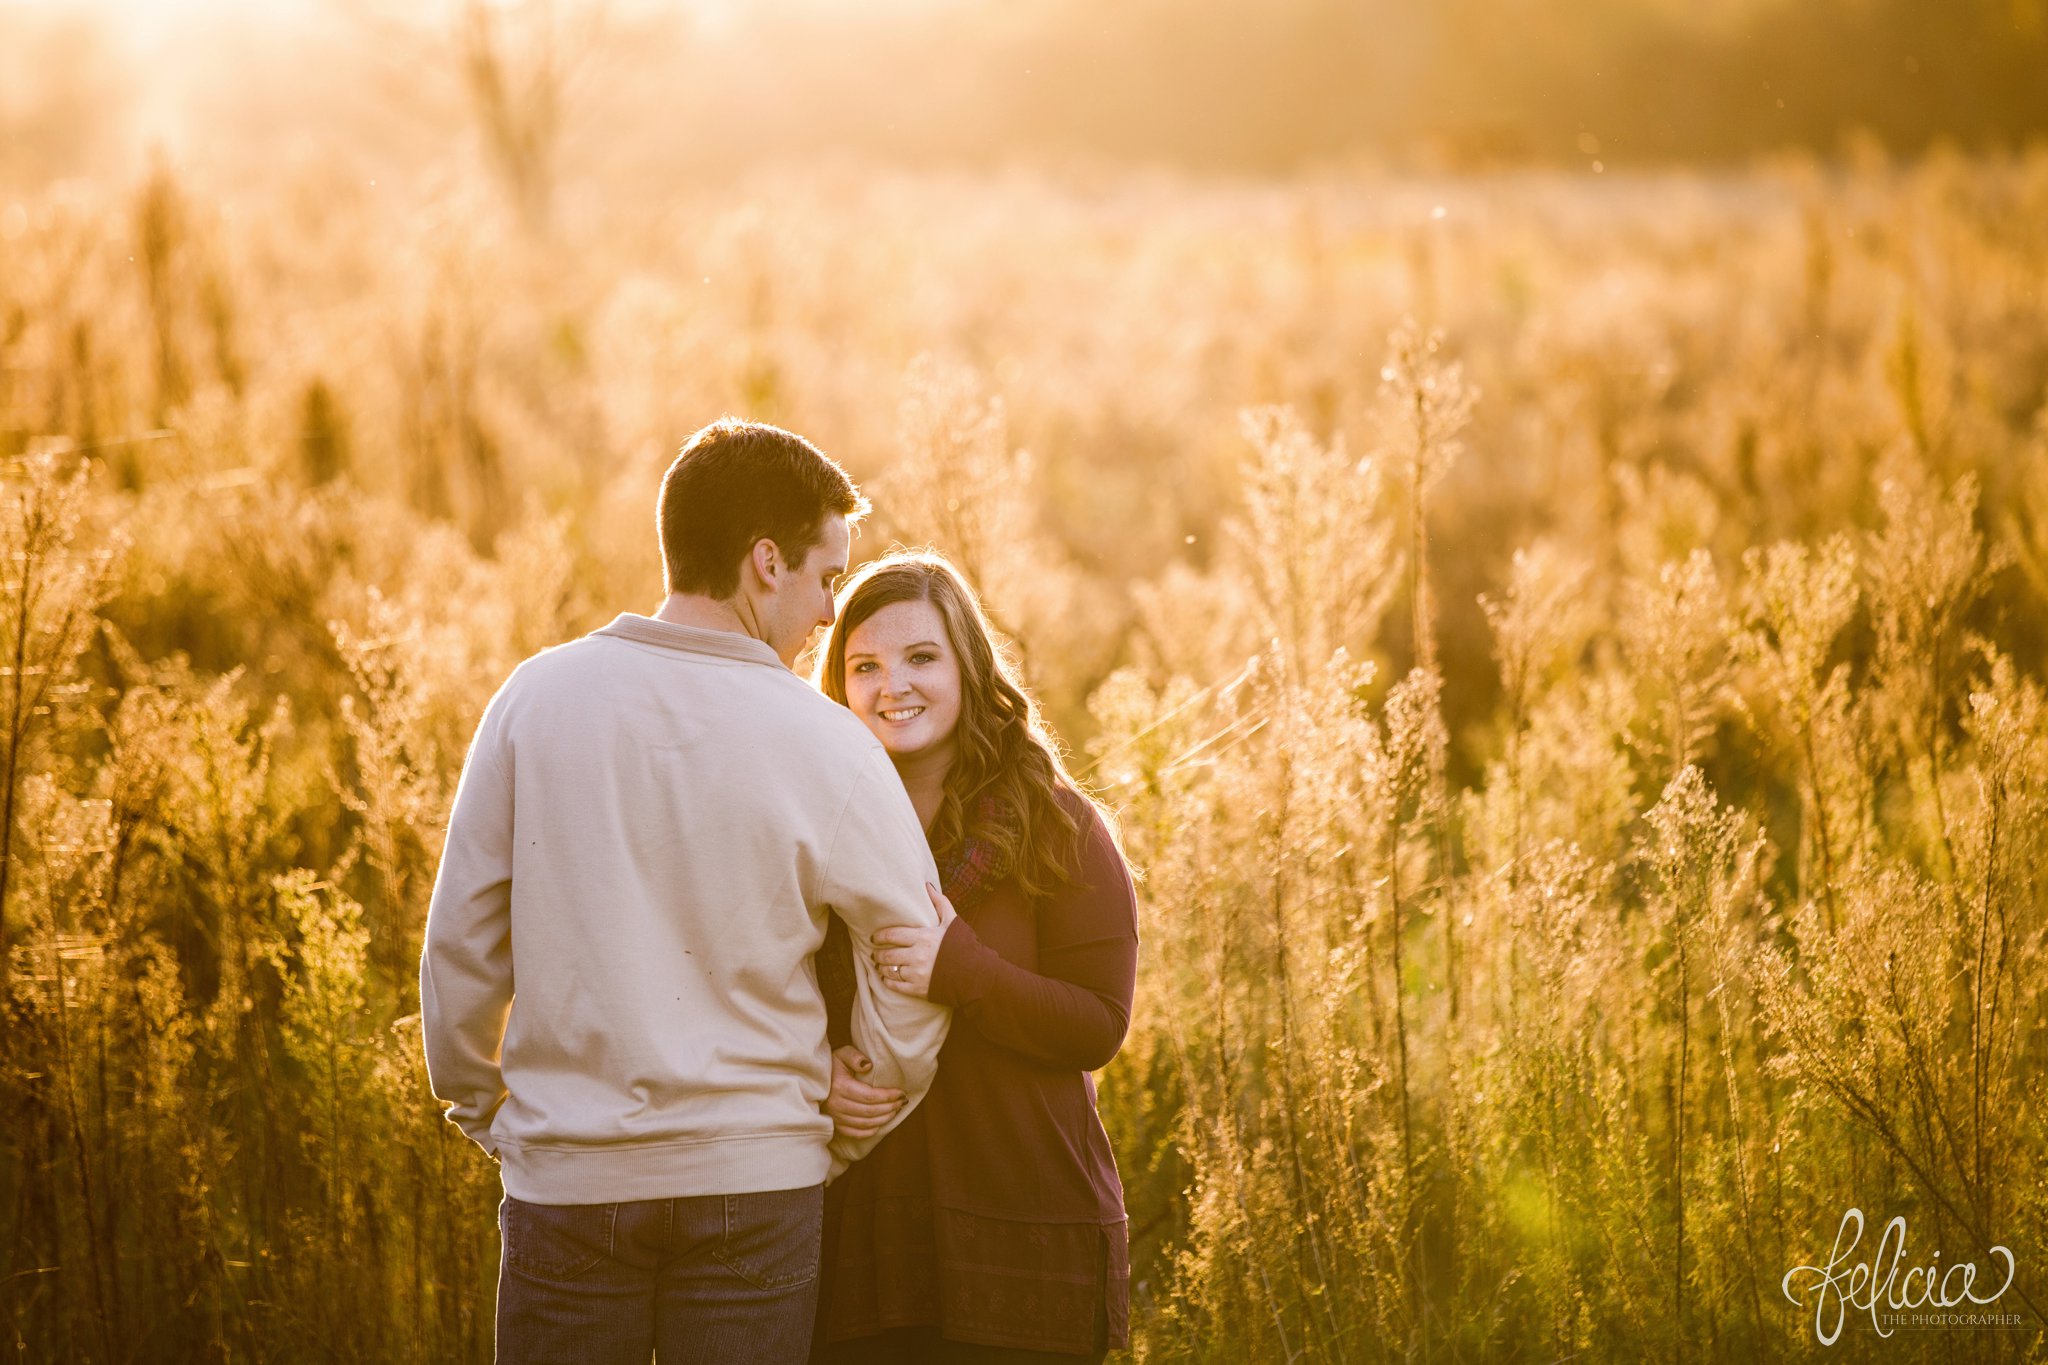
column 725, row 644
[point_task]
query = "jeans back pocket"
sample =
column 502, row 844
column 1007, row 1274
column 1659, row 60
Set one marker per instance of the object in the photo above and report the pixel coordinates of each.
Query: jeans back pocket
column 556, row 1241
column 773, row 1237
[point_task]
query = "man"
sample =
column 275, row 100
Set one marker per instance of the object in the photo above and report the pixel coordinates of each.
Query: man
column 616, row 987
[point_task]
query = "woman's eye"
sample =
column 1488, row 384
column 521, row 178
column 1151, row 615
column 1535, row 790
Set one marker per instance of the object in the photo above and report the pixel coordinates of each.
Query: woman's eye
column 864, row 667
column 921, row 657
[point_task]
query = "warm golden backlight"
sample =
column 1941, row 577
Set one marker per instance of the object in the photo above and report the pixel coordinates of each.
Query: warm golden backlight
column 1535, row 514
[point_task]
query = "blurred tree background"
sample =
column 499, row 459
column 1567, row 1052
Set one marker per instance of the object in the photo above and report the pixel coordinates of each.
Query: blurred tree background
column 645, row 91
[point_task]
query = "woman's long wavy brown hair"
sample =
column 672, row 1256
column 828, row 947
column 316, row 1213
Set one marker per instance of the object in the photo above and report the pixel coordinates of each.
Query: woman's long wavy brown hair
column 1002, row 749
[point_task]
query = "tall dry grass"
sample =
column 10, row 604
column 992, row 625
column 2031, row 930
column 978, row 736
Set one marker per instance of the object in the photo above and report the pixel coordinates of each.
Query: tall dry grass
column 1584, row 747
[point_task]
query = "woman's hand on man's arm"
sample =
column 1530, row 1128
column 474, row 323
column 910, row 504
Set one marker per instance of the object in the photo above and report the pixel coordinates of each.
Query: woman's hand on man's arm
column 905, row 955
column 857, row 1109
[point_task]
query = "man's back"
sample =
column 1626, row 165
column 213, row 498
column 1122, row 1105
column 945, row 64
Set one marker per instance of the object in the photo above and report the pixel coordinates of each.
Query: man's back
column 651, row 821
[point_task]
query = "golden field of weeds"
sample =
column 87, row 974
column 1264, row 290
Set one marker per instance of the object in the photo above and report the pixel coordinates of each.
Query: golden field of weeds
column 1567, row 652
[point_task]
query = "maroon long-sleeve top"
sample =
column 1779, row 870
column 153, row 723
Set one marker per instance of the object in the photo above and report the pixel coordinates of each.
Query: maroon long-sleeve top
column 994, row 1211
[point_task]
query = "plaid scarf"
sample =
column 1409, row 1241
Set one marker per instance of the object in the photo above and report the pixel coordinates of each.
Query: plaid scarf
column 969, row 870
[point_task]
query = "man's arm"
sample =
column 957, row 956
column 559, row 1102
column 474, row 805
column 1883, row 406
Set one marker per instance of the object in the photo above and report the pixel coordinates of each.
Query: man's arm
column 466, row 961
column 875, row 876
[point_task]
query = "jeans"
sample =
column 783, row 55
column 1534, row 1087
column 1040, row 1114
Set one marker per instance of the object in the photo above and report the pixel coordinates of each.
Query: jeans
column 702, row 1280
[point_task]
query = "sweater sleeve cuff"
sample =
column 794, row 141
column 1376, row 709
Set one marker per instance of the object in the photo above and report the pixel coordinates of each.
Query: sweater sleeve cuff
column 477, row 1128
column 960, row 973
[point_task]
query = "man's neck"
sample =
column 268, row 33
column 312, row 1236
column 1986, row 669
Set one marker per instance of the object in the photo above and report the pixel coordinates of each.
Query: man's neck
column 705, row 613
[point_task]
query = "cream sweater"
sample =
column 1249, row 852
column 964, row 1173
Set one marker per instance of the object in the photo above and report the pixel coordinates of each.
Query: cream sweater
column 616, row 989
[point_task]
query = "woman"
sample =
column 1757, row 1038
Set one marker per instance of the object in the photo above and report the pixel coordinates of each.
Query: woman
column 989, row 1225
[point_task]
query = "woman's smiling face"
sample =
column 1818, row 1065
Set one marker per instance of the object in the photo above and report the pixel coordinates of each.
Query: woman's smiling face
column 903, row 680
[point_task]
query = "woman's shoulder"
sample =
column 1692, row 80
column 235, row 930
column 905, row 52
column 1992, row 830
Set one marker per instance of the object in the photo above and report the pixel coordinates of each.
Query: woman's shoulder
column 1081, row 808
column 1094, row 848
column 1074, row 801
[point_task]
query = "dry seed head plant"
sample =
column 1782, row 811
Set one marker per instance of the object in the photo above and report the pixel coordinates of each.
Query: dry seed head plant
column 1569, row 670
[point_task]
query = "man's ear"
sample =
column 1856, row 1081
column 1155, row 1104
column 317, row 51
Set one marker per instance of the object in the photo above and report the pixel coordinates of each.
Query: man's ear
column 766, row 561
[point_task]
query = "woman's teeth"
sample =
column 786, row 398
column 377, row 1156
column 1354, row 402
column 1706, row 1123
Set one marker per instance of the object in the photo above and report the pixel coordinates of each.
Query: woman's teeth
column 905, row 714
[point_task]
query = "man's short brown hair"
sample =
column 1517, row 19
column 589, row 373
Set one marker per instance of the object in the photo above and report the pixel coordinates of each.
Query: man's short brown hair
column 735, row 483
